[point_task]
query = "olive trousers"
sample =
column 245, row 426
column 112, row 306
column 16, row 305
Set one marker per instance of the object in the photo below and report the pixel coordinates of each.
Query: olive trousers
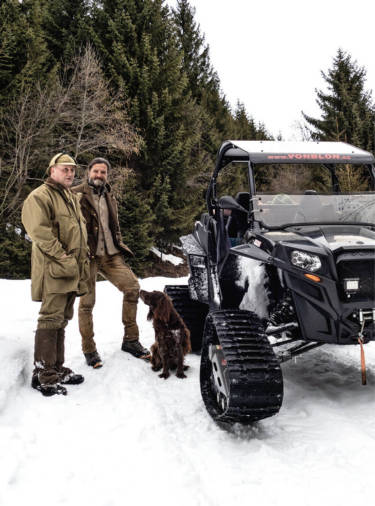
column 115, row 270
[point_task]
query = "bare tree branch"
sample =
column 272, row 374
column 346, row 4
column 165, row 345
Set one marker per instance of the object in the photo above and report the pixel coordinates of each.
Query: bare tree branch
column 81, row 116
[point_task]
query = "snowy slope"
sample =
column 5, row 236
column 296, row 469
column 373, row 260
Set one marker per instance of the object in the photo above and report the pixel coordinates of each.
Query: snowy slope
column 127, row 437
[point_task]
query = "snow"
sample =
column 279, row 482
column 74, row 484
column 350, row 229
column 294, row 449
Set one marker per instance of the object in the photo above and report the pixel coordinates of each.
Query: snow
column 127, row 437
column 167, row 257
column 252, row 276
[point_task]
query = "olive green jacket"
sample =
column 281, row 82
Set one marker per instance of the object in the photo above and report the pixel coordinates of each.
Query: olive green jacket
column 52, row 218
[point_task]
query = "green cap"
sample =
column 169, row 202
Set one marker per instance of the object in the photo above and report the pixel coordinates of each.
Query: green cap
column 62, row 159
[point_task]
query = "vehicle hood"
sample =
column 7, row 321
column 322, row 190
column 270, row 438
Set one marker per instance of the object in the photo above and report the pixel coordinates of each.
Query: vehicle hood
column 329, row 236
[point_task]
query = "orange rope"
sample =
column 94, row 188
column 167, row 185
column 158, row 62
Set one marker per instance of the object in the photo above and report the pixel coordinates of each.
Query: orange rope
column 363, row 363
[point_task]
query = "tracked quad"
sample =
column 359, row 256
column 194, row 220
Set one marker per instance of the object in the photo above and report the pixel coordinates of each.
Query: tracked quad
column 298, row 219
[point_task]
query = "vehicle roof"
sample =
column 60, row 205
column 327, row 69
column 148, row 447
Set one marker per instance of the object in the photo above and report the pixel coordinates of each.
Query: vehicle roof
column 293, row 152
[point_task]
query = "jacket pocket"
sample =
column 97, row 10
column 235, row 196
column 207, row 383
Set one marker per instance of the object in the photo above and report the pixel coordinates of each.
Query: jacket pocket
column 64, row 268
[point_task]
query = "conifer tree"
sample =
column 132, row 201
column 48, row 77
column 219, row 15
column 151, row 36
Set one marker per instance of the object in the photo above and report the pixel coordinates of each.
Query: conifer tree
column 138, row 45
column 15, row 253
column 24, row 56
column 195, row 54
column 245, row 126
column 347, row 111
column 67, row 28
column 204, row 82
column 162, row 211
column 136, row 221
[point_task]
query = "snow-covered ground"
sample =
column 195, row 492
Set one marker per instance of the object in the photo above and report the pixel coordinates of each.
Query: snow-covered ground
column 167, row 257
column 126, row 437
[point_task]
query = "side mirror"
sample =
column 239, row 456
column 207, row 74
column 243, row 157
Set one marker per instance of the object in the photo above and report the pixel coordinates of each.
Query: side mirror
column 228, row 202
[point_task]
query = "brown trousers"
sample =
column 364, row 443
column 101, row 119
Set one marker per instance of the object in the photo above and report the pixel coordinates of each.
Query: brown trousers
column 114, row 269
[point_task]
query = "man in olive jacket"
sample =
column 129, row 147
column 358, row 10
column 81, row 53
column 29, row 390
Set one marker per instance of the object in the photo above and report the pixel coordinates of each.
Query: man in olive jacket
column 99, row 208
column 59, row 270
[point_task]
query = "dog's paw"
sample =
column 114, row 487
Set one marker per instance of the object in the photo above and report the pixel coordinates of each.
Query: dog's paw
column 156, row 368
column 181, row 375
column 164, row 375
column 186, row 367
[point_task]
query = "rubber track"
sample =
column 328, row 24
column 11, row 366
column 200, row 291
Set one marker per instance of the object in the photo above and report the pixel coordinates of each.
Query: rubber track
column 255, row 377
column 192, row 312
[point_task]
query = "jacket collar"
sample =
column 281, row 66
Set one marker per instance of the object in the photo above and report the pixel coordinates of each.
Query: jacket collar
column 64, row 192
column 88, row 191
column 57, row 186
column 99, row 190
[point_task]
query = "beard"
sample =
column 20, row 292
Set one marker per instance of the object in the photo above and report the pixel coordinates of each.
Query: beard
column 97, row 182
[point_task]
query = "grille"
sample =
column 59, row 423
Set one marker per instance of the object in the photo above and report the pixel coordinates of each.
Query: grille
column 360, row 265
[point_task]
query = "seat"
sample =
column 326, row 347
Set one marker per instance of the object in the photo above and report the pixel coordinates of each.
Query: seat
column 238, row 221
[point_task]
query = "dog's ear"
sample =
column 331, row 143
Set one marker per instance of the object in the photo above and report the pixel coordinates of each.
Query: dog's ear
column 150, row 314
column 163, row 309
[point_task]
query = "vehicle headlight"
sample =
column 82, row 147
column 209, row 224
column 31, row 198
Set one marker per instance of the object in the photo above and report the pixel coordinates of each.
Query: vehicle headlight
column 305, row 260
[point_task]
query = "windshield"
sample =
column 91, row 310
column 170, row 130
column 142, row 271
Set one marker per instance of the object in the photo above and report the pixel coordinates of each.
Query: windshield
column 280, row 209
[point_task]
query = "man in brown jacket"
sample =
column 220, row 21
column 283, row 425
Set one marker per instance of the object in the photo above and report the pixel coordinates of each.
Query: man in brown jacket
column 99, row 208
column 59, row 270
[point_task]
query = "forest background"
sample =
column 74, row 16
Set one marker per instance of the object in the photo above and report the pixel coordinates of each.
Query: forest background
column 131, row 80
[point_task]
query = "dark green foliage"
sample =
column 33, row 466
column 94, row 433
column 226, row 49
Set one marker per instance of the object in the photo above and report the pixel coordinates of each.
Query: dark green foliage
column 67, row 28
column 24, row 56
column 138, row 43
column 136, row 220
column 245, row 127
column 347, row 108
column 15, row 253
column 195, row 55
column 157, row 76
column 204, row 83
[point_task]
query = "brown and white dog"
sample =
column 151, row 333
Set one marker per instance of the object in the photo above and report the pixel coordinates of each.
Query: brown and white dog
column 172, row 337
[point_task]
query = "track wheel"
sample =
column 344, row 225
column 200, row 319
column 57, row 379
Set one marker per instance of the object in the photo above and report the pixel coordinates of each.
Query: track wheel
column 240, row 376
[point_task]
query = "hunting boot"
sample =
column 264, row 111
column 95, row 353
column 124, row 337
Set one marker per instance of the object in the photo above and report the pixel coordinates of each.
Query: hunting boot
column 66, row 375
column 130, row 342
column 45, row 377
column 136, row 349
column 93, row 359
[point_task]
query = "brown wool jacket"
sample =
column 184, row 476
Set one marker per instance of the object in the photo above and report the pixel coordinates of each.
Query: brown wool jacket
column 84, row 193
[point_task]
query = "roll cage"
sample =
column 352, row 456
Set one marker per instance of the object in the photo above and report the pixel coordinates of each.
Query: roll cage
column 328, row 154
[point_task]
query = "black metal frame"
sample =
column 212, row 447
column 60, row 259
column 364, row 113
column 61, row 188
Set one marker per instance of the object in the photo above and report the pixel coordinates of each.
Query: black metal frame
column 229, row 153
column 312, row 301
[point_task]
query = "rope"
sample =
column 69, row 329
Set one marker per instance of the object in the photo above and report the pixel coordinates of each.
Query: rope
column 363, row 362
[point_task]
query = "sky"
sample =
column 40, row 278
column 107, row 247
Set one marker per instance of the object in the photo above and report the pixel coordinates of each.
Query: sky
column 270, row 54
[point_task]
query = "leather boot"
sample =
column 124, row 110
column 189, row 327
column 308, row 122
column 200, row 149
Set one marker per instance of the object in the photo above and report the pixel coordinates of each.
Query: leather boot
column 136, row 349
column 45, row 376
column 66, row 375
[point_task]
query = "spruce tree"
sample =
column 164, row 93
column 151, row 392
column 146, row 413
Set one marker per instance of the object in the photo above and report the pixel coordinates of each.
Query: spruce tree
column 24, row 56
column 204, row 82
column 136, row 221
column 15, row 253
column 347, row 110
column 138, row 45
column 245, row 127
column 67, row 28
column 195, row 54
